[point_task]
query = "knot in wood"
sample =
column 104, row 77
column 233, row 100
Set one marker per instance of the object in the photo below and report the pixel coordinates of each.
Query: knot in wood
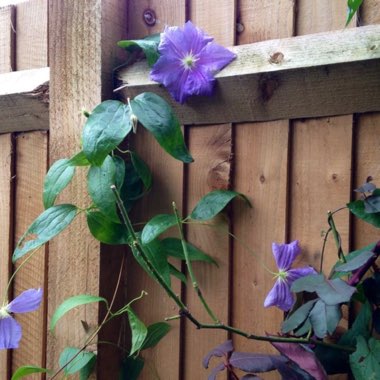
column 149, row 17
column 276, row 58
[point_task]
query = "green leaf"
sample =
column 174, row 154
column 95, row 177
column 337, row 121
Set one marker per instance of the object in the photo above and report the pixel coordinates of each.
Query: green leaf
column 149, row 45
column 133, row 187
column 156, row 226
column 119, row 171
column 49, row 224
column 74, row 365
column 79, row 159
column 176, row 273
column 173, row 247
column 106, row 231
column 106, row 127
column 307, row 283
column 156, row 115
column 139, row 331
column 354, row 263
column 71, row 303
column 365, row 361
column 298, row 317
column 213, row 203
column 156, row 332
column 87, row 370
column 27, row 370
column 358, row 209
column 353, row 6
column 143, row 171
column 56, row 179
column 99, row 182
column 131, row 368
column 372, row 204
column 324, row 318
column 361, row 326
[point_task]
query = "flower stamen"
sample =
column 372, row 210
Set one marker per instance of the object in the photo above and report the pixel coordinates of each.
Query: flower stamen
column 189, row 61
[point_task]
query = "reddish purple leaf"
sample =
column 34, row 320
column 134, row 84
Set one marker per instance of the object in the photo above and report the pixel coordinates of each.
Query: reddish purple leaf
column 219, row 368
column 248, row 362
column 251, row 377
column 222, row 350
column 304, row 358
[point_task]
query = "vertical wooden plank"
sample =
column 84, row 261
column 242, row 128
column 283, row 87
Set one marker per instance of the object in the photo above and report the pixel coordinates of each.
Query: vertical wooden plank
column 31, row 164
column 366, row 143
column 31, row 36
column 317, row 188
column 6, row 223
column 163, row 360
column 261, row 172
column 7, row 37
column 82, row 47
column 211, row 147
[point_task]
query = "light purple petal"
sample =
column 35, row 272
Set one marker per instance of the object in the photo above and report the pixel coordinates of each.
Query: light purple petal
column 284, row 254
column 10, row 333
column 296, row 273
column 214, row 57
column 280, row 296
column 27, row 301
column 195, row 39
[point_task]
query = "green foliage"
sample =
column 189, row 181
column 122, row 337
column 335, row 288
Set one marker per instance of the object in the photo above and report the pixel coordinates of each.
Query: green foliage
column 74, row 360
column 142, row 170
column 106, row 127
column 131, row 368
column 148, row 45
column 49, row 224
column 71, row 303
column 358, row 209
column 365, row 361
column 99, row 182
column 156, row 332
column 156, row 115
column 156, row 226
column 353, row 7
column 139, row 331
column 213, row 203
column 27, row 370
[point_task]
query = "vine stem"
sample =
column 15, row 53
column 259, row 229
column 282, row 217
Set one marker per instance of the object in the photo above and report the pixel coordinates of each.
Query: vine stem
column 190, row 268
column 337, row 239
column 104, row 321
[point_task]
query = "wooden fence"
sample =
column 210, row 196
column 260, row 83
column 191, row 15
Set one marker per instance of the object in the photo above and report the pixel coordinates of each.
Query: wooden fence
column 293, row 171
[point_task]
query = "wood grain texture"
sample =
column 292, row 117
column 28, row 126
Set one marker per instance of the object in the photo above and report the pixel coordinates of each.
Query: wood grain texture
column 7, row 38
column 211, row 147
column 6, row 222
column 31, row 35
column 82, row 36
column 31, row 164
column 259, row 83
column 261, row 172
column 24, row 100
column 163, row 360
column 367, row 143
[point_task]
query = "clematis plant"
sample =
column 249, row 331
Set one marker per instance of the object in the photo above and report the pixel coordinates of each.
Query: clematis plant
column 284, row 255
column 188, row 61
column 10, row 329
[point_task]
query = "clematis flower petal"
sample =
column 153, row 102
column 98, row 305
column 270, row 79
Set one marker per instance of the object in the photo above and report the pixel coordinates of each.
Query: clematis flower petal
column 296, row 273
column 10, row 333
column 29, row 300
column 285, row 254
column 280, row 296
column 188, row 62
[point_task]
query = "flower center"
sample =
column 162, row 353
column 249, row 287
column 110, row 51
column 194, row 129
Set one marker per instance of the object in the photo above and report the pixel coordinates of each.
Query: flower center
column 4, row 312
column 282, row 274
column 188, row 61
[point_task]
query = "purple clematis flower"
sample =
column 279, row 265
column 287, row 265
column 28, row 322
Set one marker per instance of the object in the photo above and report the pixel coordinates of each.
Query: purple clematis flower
column 284, row 255
column 10, row 330
column 188, row 62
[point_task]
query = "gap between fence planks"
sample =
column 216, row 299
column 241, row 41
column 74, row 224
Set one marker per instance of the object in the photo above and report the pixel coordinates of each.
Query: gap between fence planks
column 258, row 85
column 163, row 361
column 211, row 147
column 24, row 100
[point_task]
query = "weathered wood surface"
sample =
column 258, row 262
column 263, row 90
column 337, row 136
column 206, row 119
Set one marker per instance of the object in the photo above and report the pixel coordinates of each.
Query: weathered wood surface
column 6, row 235
column 211, row 147
column 82, row 51
column 31, row 35
column 162, row 361
column 7, row 38
column 30, row 168
column 24, row 100
column 324, row 74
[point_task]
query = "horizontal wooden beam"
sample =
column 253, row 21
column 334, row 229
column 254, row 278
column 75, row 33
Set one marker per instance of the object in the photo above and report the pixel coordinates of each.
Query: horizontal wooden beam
column 24, row 100
column 323, row 74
